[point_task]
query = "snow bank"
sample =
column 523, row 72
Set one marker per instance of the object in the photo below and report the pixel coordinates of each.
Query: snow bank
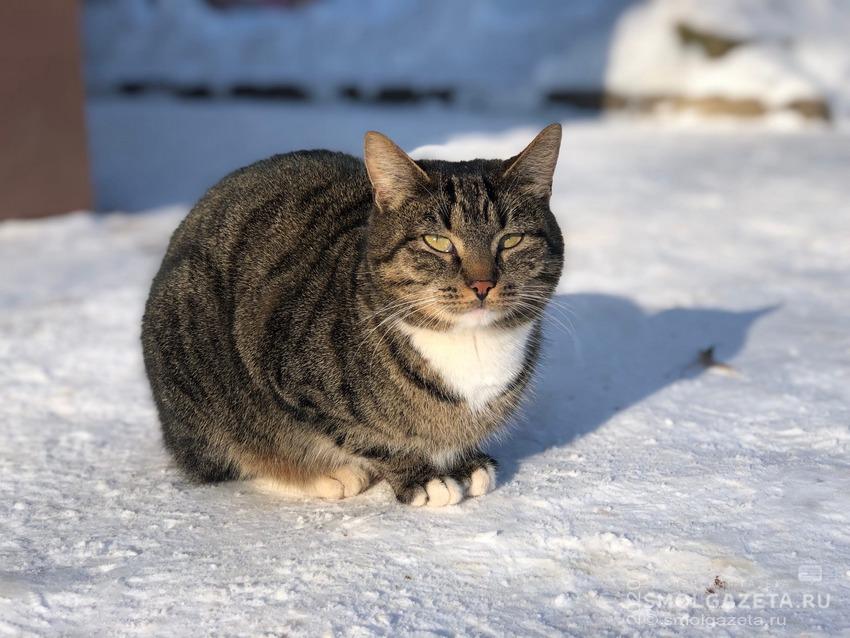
column 781, row 52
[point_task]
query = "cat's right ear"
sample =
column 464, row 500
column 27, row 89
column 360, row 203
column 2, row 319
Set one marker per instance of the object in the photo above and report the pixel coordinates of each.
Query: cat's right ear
column 394, row 176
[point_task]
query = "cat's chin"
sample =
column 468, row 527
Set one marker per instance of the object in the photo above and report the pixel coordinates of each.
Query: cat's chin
column 477, row 318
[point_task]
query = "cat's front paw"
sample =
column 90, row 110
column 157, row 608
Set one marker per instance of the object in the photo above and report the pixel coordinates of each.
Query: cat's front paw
column 481, row 480
column 478, row 476
column 438, row 492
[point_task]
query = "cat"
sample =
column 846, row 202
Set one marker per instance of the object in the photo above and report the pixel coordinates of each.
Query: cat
column 321, row 323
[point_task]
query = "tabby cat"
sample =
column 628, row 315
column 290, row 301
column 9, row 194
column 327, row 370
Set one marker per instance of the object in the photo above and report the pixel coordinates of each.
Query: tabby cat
column 320, row 323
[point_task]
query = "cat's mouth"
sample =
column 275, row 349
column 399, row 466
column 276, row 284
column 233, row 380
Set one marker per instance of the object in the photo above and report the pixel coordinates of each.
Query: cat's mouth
column 454, row 309
column 478, row 314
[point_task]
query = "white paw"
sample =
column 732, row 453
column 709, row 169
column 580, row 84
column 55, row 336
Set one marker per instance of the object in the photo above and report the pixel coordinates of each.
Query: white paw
column 482, row 480
column 327, row 487
column 444, row 491
column 354, row 480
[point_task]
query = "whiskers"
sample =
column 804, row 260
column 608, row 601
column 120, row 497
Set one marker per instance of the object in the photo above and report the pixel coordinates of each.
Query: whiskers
column 534, row 299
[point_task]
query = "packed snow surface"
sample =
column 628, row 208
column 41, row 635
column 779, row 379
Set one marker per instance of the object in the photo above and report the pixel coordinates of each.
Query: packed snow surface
column 646, row 485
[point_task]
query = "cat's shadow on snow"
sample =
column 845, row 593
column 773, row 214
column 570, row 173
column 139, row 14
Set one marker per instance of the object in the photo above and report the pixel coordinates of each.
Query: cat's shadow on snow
column 606, row 353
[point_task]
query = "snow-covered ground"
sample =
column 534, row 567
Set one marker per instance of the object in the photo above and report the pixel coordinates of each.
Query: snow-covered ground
column 637, row 480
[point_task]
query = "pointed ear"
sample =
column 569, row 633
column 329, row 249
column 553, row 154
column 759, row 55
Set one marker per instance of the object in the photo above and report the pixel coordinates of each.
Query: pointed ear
column 394, row 176
column 532, row 170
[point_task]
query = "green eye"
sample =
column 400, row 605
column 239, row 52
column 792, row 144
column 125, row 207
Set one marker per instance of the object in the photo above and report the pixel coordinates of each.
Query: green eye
column 510, row 241
column 438, row 242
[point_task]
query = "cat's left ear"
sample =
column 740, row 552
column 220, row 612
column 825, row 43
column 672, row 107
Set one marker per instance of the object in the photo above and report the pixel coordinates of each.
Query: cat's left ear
column 534, row 168
column 394, row 176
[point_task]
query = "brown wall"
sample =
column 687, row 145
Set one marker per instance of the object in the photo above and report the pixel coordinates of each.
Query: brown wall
column 43, row 160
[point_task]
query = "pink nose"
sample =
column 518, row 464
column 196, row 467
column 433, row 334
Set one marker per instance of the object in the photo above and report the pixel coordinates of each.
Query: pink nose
column 482, row 287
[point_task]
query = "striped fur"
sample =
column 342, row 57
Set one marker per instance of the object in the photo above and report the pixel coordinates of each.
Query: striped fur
column 278, row 335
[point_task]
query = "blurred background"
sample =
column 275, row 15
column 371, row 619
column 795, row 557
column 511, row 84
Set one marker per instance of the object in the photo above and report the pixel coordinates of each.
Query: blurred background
column 133, row 104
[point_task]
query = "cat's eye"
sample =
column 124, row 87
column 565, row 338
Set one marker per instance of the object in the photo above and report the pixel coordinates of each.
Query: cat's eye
column 511, row 241
column 438, row 242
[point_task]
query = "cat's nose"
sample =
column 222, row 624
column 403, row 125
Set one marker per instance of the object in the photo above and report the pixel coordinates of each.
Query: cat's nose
column 482, row 287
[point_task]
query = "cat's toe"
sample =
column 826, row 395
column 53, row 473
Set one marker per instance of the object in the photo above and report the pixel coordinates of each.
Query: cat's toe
column 419, row 497
column 354, row 479
column 414, row 495
column 444, row 491
column 482, row 480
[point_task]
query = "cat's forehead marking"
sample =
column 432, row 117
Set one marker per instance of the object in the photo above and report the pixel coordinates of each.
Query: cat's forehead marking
column 471, row 202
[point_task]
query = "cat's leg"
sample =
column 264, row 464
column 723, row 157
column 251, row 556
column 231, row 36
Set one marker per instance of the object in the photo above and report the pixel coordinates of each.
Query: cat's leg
column 477, row 473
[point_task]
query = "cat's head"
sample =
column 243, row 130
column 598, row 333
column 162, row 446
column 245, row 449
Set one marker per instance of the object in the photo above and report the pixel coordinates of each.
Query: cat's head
column 454, row 244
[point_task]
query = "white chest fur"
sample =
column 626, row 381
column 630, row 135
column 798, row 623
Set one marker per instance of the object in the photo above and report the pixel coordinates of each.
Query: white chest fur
column 476, row 363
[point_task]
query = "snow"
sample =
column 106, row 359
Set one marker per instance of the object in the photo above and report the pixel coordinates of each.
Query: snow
column 635, row 478
column 490, row 54
column 792, row 51
column 647, row 58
